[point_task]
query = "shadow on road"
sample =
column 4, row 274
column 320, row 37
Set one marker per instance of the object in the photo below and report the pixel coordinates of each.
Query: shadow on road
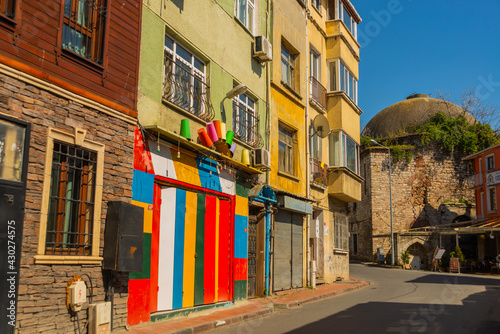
column 456, row 279
column 446, row 313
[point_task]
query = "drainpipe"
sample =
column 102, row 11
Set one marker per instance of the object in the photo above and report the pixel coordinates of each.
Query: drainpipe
column 311, row 266
column 268, row 242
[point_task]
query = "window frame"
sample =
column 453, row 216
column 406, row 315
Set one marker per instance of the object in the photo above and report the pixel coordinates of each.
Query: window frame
column 342, row 79
column 489, row 162
column 316, row 144
column 77, row 139
column 290, row 157
column 290, row 64
column 247, row 21
column 340, row 232
column 317, row 4
column 66, row 22
column 339, row 11
column 492, row 200
column 251, row 112
column 338, row 157
column 315, row 59
column 194, row 74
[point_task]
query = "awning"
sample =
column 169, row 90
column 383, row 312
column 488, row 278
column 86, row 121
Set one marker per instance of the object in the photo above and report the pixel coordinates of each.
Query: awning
column 478, row 226
column 262, row 194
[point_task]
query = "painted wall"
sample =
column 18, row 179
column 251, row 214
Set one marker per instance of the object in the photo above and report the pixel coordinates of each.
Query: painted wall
column 227, row 54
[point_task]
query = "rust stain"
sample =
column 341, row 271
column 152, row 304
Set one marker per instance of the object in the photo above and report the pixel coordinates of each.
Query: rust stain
column 132, row 250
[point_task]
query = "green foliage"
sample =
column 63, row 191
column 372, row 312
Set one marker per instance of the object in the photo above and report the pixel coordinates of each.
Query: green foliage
column 445, row 260
column 405, row 257
column 456, row 134
column 458, row 253
column 398, row 152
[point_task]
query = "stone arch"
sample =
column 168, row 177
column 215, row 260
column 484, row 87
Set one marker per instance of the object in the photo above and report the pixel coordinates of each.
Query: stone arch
column 418, row 247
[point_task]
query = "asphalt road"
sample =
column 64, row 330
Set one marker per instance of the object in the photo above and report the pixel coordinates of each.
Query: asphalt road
column 397, row 301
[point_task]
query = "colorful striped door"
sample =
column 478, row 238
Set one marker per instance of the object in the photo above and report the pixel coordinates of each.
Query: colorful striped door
column 194, row 266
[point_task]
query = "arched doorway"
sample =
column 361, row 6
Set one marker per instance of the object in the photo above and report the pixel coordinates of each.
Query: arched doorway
column 418, row 256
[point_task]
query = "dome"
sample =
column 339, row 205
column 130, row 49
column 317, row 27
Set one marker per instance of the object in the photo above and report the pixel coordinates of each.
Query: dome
column 416, row 109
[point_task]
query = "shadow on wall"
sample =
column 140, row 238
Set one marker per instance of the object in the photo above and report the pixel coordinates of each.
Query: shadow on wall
column 444, row 215
column 179, row 4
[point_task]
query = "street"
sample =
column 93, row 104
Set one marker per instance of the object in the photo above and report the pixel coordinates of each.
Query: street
column 397, row 301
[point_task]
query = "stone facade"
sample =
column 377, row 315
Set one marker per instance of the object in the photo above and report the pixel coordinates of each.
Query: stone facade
column 426, row 191
column 42, row 289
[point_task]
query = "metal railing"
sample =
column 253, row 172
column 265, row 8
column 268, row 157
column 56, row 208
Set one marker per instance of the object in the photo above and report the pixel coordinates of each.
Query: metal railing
column 475, row 180
column 186, row 90
column 319, row 172
column 246, row 126
column 318, row 92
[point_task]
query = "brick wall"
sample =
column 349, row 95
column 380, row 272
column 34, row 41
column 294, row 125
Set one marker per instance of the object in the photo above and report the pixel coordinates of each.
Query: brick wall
column 423, row 193
column 42, row 289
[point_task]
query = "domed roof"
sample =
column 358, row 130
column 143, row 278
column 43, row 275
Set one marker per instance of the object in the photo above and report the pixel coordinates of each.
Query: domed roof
column 416, row 109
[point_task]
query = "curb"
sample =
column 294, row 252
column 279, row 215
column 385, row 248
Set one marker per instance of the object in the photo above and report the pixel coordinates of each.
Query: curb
column 298, row 303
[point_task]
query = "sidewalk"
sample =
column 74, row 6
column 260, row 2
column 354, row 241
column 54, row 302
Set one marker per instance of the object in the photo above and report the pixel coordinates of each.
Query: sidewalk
column 203, row 321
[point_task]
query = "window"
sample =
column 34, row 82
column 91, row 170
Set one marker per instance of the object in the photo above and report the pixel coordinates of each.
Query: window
column 286, row 153
column 345, row 81
column 316, row 144
column 184, row 80
column 339, row 10
column 12, row 138
column 490, row 162
column 340, row 232
column 492, row 199
column 316, row 4
column 344, row 152
column 70, row 222
column 288, row 60
column 318, row 91
column 7, row 8
column 83, row 28
column 245, row 13
column 316, row 65
column 245, row 121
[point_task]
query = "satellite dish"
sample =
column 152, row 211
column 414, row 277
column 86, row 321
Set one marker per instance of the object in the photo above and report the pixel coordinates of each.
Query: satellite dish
column 321, row 126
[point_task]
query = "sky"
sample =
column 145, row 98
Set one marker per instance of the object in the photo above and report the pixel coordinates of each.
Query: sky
column 425, row 46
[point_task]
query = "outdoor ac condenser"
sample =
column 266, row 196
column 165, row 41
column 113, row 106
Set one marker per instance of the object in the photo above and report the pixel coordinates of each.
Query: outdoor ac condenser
column 262, row 49
column 261, row 158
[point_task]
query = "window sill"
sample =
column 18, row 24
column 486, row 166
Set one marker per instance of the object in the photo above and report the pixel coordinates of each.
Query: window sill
column 81, row 61
column 244, row 27
column 318, row 185
column 318, row 10
column 7, row 23
column 289, row 176
column 291, row 90
column 197, row 118
column 340, row 251
column 64, row 259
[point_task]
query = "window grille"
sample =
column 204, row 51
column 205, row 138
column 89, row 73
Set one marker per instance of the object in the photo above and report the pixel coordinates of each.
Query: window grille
column 71, row 204
column 83, row 28
column 245, row 121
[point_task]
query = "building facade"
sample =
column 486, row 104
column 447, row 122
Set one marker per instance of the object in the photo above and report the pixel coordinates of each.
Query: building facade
column 334, row 168
column 67, row 117
column 200, row 77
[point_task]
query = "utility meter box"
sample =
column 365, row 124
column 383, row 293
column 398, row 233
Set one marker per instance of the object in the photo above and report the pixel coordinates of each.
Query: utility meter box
column 100, row 318
column 77, row 295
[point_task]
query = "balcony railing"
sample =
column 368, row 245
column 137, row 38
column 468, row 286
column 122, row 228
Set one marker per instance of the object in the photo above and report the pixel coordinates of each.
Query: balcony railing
column 319, row 172
column 476, row 180
column 246, row 125
column 186, row 90
column 318, row 93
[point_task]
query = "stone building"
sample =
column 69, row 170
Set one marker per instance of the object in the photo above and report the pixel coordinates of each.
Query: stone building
column 429, row 189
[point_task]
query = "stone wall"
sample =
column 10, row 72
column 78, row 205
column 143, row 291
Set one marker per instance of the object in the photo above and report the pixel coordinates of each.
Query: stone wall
column 426, row 191
column 42, row 289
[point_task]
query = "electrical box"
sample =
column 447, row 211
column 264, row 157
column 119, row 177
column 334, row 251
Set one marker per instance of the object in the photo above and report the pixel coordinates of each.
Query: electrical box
column 123, row 237
column 77, row 295
column 100, row 318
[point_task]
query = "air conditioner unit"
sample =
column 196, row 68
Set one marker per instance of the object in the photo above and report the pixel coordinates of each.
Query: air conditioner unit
column 261, row 158
column 262, row 49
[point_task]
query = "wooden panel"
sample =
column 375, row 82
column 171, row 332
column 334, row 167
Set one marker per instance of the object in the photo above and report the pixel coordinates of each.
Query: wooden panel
column 216, row 257
column 166, row 249
column 199, row 271
column 180, row 210
column 282, row 251
column 138, row 301
column 224, row 274
column 210, row 229
column 189, row 249
column 155, row 243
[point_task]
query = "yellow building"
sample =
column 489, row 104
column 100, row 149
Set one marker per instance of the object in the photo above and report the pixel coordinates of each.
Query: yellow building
column 332, row 73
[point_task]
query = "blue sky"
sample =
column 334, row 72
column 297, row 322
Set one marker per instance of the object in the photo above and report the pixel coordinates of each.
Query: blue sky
column 421, row 46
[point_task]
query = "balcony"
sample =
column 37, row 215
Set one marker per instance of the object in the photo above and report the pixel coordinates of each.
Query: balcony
column 246, row 125
column 344, row 184
column 318, row 94
column 475, row 180
column 186, row 90
column 319, row 172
